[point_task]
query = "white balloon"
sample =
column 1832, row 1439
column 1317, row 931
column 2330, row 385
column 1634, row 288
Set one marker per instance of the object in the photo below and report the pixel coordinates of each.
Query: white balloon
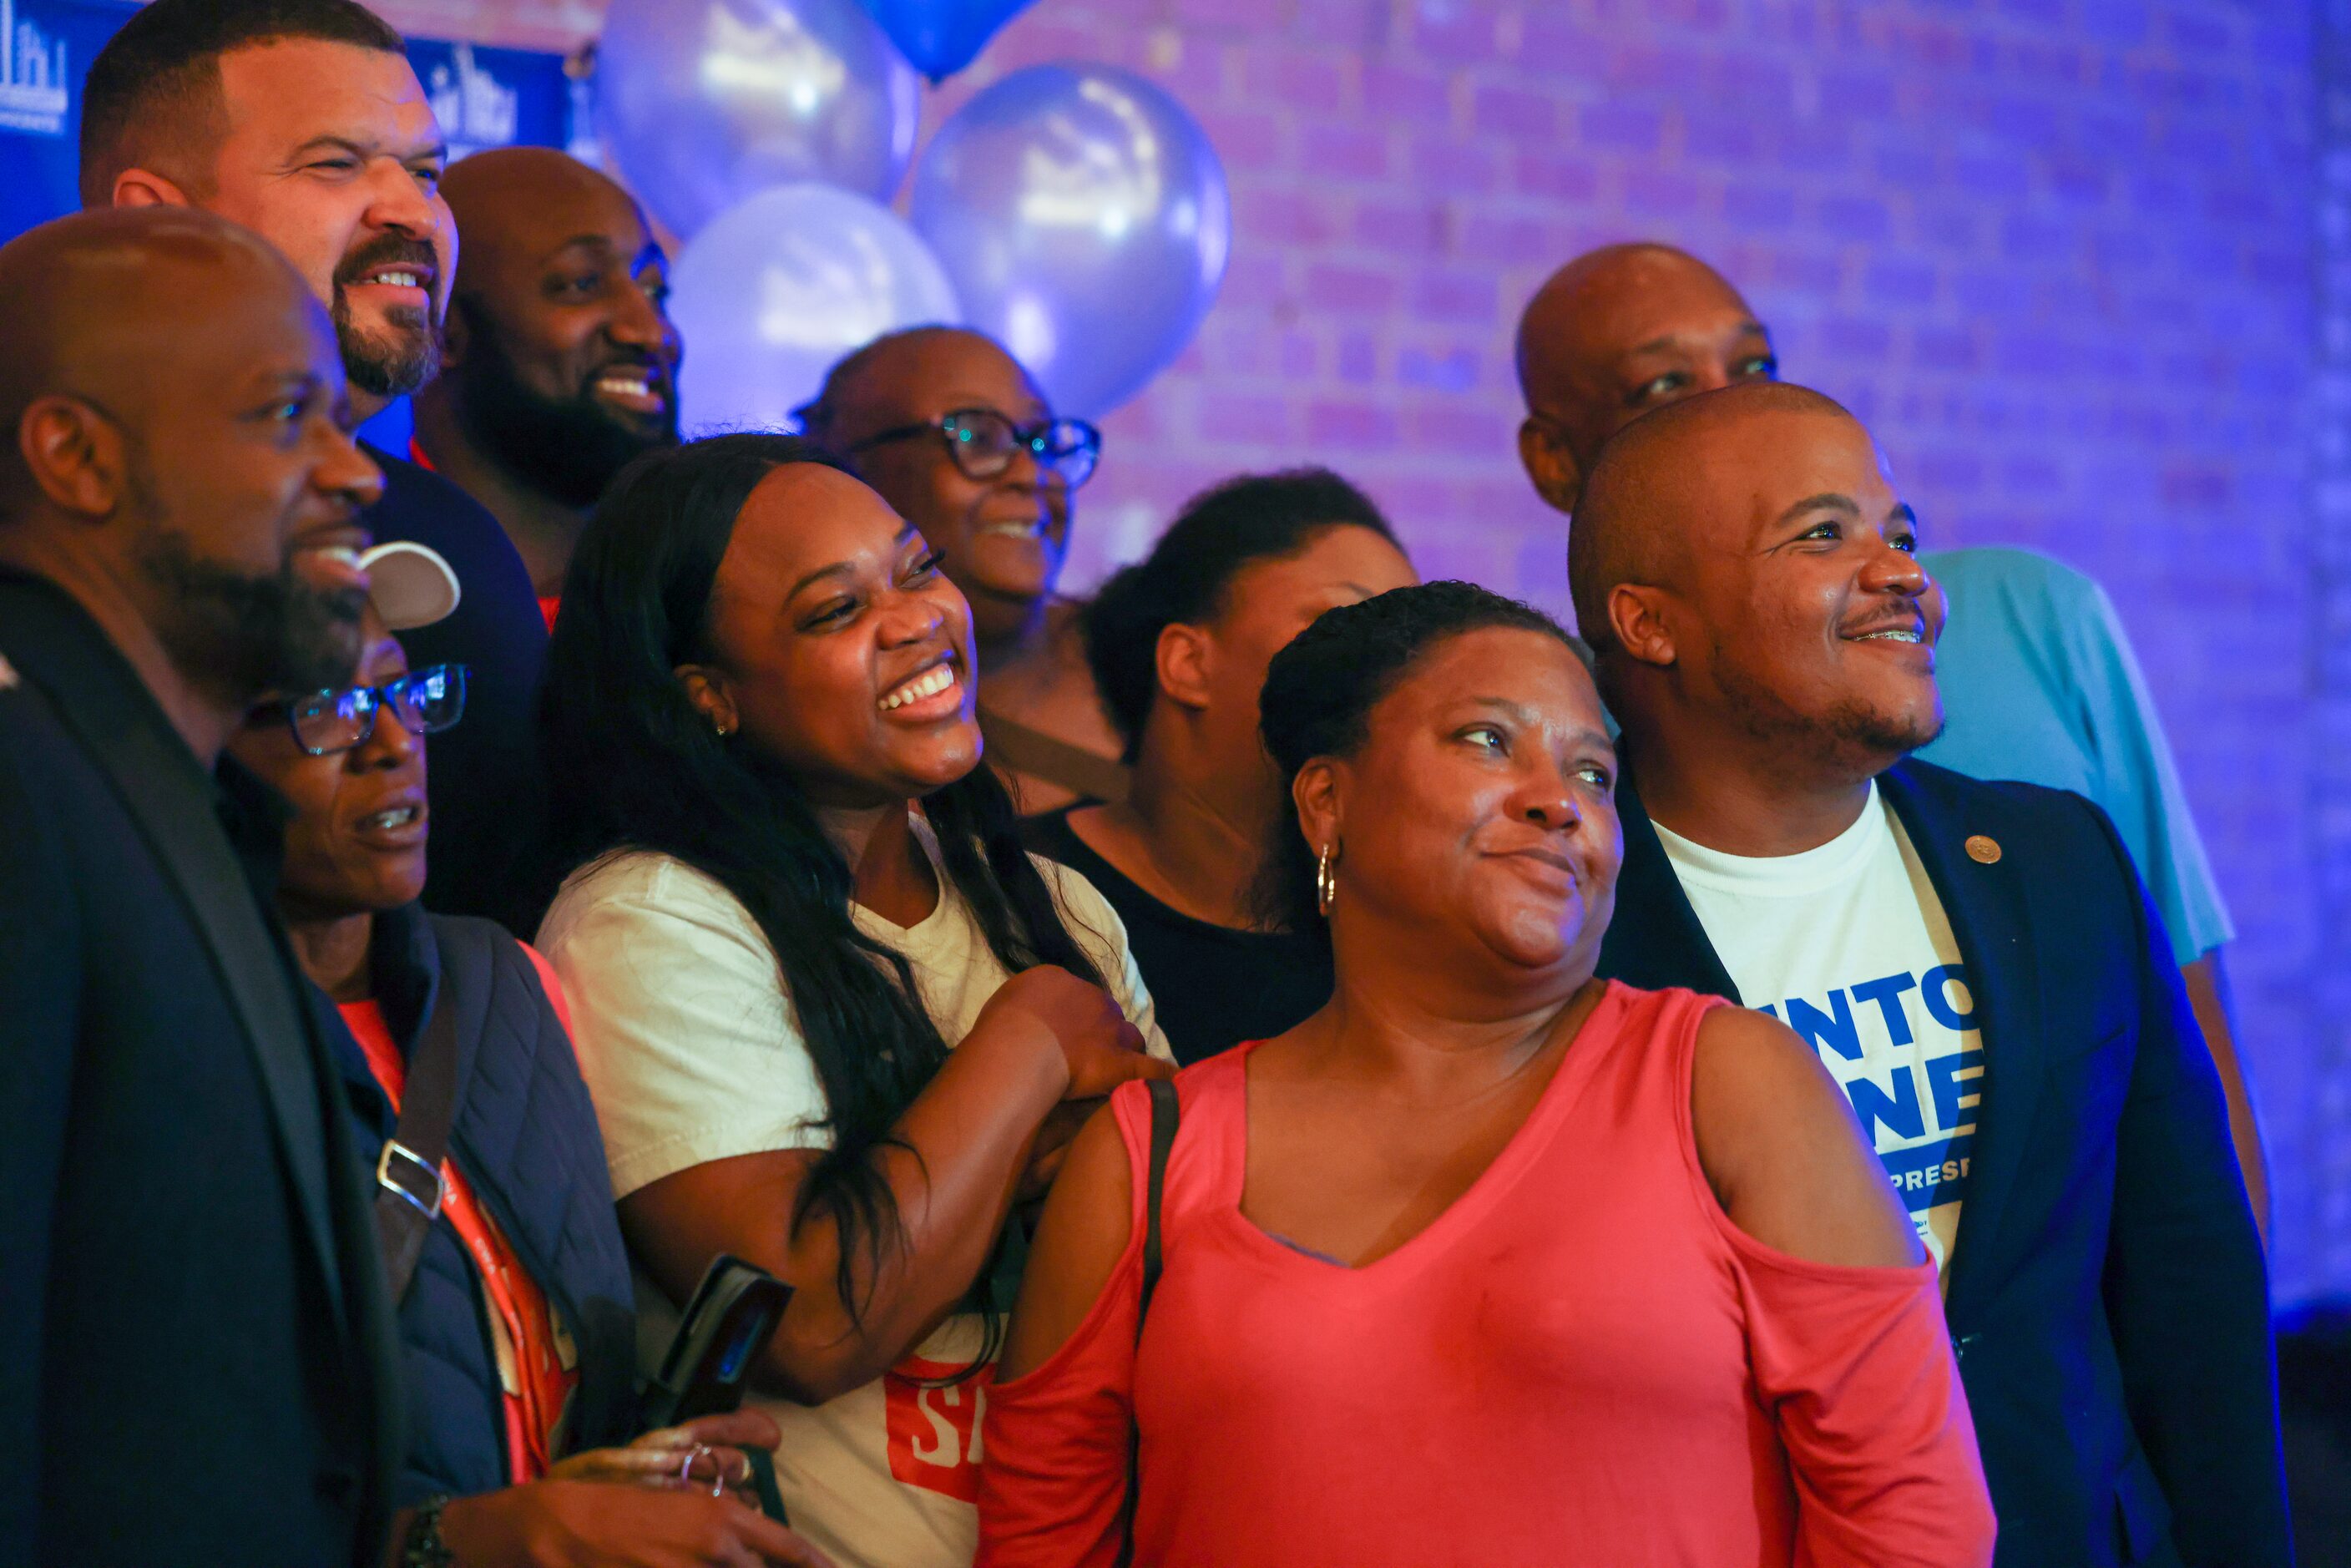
column 776, row 288
column 704, row 101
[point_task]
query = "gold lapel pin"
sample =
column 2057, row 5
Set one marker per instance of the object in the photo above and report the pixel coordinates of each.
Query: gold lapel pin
column 1983, row 849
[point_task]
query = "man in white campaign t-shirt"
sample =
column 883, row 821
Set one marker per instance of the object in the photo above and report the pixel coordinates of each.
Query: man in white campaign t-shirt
column 1976, row 964
column 1848, row 945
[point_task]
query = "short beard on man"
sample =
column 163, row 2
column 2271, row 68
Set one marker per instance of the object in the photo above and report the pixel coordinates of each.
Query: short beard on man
column 1865, row 735
column 567, row 448
column 397, row 361
column 240, row 638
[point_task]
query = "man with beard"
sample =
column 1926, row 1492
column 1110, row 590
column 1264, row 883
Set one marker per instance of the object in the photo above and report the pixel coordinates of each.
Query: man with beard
column 2035, row 669
column 195, row 1361
column 558, row 364
column 303, row 121
column 1976, row 962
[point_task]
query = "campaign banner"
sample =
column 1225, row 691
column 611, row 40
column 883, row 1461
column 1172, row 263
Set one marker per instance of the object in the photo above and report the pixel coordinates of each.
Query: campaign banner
column 482, row 97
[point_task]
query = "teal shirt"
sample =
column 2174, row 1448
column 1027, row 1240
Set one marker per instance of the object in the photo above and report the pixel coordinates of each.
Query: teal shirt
column 2038, row 684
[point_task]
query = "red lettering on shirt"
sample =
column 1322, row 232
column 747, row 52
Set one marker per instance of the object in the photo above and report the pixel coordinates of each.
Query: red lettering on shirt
column 934, row 1425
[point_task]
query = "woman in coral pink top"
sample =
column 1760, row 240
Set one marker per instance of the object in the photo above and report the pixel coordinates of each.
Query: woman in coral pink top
column 1488, row 1261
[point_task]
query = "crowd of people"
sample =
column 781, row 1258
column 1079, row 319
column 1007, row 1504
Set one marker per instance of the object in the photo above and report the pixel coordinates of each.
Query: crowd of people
column 1275, row 1063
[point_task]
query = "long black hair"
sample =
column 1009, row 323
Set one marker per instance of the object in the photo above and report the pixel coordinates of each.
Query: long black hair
column 1320, row 691
column 635, row 766
column 1248, row 519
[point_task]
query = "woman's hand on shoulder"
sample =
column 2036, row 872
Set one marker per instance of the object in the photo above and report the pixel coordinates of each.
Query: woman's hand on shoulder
column 1099, row 1049
column 1782, row 1152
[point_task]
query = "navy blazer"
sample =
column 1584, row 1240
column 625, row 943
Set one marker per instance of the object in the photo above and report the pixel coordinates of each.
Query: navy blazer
column 489, row 794
column 525, row 1136
column 197, row 1362
column 2106, row 1295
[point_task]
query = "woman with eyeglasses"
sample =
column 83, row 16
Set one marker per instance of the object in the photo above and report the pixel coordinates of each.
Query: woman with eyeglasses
column 837, row 1022
column 516, row 1320
column 954, row 435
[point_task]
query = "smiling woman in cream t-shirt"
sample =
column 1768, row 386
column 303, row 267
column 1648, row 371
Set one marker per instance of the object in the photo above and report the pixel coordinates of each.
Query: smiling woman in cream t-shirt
column 835, row 1020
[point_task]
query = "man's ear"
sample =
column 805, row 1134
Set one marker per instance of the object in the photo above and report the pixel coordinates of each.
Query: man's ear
column 76, row 458
column 1184, row 659
column 712, row 695
column 136, row 187
column 1637, row 618
column 1558, row 478
column 454, row 335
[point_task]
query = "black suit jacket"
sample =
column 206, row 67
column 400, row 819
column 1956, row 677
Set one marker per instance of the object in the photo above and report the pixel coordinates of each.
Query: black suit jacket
column 488, row 796
column 2107, row 1294
column 196, row 1364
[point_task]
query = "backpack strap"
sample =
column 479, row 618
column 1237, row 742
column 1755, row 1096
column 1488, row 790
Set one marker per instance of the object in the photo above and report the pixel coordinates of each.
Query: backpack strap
column 1165, row 1116
column 408, row 1173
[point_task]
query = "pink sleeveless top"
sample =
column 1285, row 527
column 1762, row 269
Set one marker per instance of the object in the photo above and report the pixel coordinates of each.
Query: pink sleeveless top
column 1582, row 1361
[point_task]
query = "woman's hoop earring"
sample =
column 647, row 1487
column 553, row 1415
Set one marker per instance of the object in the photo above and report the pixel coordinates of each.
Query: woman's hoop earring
column 1326, row 877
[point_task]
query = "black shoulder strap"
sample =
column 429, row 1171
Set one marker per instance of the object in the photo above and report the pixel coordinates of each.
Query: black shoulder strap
column 1164, row 1115
column 408, row 1173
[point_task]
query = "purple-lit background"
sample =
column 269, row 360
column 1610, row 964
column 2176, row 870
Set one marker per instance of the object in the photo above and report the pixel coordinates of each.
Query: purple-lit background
column 2075, row 260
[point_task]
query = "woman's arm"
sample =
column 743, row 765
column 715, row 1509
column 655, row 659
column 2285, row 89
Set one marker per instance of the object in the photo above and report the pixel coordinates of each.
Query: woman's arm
column 1782, row 1152
column 1057, row 1434
column 1845, row 1329
column 959, row 1152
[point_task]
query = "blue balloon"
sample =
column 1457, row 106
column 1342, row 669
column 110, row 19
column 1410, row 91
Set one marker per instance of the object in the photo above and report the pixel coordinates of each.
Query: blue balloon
column 771, row 292
column 704, row 102
column 1085, row 222
column 939, row 38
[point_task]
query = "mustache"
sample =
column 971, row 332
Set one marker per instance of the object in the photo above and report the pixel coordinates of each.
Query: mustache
column 387, row 250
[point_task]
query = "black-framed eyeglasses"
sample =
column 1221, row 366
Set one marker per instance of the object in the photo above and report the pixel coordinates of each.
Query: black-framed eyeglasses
column 983, row 441
column 427, row 702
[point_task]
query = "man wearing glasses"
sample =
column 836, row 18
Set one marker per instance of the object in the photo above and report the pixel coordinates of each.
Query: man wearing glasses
column 954, row 435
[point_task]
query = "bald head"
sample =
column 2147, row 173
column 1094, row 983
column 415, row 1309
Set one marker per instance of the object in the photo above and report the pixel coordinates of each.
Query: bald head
column 884, row 373
column 1750, row 577
column 559, row 363
column 1614, row 334
column 98, row 298
column 1662, row 483
column 179, row 453
column 510, row 197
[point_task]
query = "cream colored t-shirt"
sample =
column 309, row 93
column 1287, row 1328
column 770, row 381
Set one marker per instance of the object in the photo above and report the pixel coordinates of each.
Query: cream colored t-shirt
column 692, row 1052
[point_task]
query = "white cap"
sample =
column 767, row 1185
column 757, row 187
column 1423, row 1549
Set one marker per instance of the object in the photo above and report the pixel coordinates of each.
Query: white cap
column 411, row 584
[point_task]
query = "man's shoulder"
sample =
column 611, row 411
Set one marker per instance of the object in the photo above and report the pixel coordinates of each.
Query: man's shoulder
column 2057, row 824
column 426, row 508
column 2010, row 570
column 2011, row 800
column 411, row 490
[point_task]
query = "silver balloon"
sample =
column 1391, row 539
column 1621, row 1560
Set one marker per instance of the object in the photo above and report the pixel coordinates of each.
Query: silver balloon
column 704, row 102
column 1085, row 221
column 774, row 290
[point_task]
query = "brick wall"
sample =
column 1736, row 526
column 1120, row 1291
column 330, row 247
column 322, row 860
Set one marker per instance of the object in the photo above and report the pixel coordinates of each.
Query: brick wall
column 2059, row 254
